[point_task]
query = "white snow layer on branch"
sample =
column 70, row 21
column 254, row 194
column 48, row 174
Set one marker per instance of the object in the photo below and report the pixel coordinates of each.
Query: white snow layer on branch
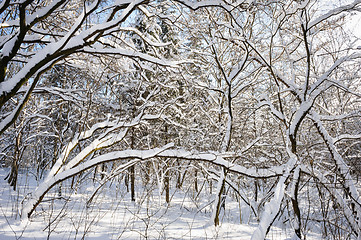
column 132, row 53
column 68, row 41
column 337, row 196
column 6, row 121
column 2, row 4
column 299, row 115
column 342, row 167
column 104, row 140
column 75, row 166
column 218, row 159
column 194, row 5
column 72, row 41
column 42, row 12
column 142, row 36
column 47, row 184
column 346, row 136
column 351, row 114
column 227, row 137
column 274, row 111
column 272, row 207
column 271, row 210
column 333, row 12
column 323, row 77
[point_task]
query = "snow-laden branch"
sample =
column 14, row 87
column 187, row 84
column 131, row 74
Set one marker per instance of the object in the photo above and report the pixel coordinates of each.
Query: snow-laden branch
column 352, row 114
column 132, row 54
column 12, row 45
column 274, row 111
column 289, row 83
column 106, row 139
column 346, row 137
column 43, row 12
column 36, row 196
column 333, row 12
column 65, row 94
column 73, row 41
column 272, row 208
column 65, row 46
column 194, row 5
column 61, row 172
column 145, row 38
column 350, row 216
column 315, row 88
column 219, row 159
column 3, row 5
column 239, row 88
column 300, row 114
column 342, row 167
column 10, row 119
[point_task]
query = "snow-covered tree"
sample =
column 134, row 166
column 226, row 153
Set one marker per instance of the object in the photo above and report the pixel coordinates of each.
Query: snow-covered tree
column 260, row 97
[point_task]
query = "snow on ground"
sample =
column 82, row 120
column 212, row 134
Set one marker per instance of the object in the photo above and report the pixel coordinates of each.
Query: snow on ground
column 112, row 215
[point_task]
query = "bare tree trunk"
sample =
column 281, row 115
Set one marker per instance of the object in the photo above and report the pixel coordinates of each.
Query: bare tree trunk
column 132, row 182
column 256, row 190
column 295, row 206
column 220, row 199
column 126, row 181
column 195, row 181
column 12, row 177
column 132, row 168
column 147, row 173
column 179, row 176
column 294, row 198
column 166, row 186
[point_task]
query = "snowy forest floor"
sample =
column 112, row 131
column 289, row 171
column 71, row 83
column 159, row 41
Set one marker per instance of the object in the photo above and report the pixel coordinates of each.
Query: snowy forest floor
column 111, row 214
